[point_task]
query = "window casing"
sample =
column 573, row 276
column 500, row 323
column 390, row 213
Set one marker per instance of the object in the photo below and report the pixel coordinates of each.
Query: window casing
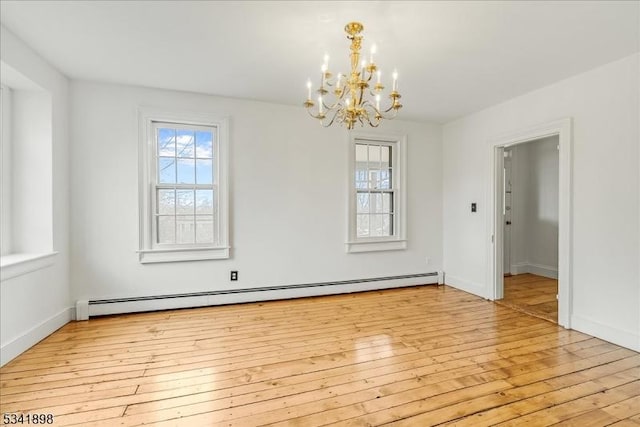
column 184, row 186
column 377, row 197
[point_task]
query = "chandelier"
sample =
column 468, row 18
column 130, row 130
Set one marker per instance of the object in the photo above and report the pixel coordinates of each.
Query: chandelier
column 348, row 99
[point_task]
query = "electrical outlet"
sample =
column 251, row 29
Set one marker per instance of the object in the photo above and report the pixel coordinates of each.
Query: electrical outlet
column 234, row 275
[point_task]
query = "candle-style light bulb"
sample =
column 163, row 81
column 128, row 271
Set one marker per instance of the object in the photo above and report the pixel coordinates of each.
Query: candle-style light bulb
column 338, row 81
column 326, row 60
column 320, row 104
column 364, row 65
column 374, row 49
column 309, row 88
column 378, row 102
column 395, row 80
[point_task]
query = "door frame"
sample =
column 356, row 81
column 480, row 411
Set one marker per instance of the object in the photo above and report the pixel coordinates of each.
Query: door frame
column 495, row 279
column 506, row 238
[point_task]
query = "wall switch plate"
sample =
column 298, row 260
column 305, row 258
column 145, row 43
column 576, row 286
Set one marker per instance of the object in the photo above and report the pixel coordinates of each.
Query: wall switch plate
column 474, row 207
column 234, row 275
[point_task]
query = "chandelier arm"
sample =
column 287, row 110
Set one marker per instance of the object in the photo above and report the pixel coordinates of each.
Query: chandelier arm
column 368, row 109
column 318, row 116
column 391, row 108
column 335, row 114
column 380, row 114
column 336, row 103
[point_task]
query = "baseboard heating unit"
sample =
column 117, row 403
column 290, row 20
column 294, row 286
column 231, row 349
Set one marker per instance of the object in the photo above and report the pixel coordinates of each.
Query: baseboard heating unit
column 99, row 307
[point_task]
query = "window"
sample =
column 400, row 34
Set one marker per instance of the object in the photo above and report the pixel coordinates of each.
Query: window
column 26, row 169
column 376, row 193
column 184, row 188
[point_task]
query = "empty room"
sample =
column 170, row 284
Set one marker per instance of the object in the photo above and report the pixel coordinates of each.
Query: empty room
column 308, row 213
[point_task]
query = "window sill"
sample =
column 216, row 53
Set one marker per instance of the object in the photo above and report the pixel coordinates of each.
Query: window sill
column 153, row 256
column 14, row 265
column 376, row 245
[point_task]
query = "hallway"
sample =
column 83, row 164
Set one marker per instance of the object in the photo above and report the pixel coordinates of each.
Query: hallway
column 532, row 294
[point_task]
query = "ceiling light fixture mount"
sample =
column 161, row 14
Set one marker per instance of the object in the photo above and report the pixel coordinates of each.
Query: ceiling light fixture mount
column 352, row 98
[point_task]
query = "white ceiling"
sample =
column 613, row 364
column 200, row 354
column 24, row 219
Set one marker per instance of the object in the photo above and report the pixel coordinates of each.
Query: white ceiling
column 453, row 57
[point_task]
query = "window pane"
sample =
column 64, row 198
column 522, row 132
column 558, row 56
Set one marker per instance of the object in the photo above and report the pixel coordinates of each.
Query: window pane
column 387, row 225
column 362, row 203
column 387, row 203
column 376, row 203
column 361, row 178
column 362, row 225
column 386, row 156
column 204, row 229
column 166, row 202
column 185, row 141
column 385, row 179
column 166, row 229
column 374, row 156
column 204, row 201
column 375, row 226
column 167, row 170
column 185, row 202
column 186, row 171
column 204, row 171
column 373, row 179
column 185, row 229
column 204, row 144
column 361, row 153
column 166, row 142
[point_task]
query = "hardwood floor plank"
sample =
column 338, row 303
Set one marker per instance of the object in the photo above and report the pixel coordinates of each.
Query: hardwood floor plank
column 575, row 408
column 535, row 295
column 410, row 356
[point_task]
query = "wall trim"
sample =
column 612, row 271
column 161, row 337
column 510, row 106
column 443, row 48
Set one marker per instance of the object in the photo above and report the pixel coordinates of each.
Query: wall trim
column 537, row 269
column 101, row 307
column 478, row 289
column 543, row 270
column 32, row 336
column 519, row 268
column 622, row 337
column 15, row 265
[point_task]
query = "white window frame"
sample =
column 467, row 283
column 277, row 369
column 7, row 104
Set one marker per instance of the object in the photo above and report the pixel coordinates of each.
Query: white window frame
column 397, row 241
column 149, row 252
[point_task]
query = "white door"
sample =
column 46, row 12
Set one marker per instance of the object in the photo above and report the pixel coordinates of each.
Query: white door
column 506, row 212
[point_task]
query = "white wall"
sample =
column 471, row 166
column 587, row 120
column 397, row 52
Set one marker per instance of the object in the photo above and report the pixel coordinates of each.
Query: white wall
column 534, row 238
column 35, row 304
column 6, row 179
column 31, row 140
column 288, row 198
column 604, row 105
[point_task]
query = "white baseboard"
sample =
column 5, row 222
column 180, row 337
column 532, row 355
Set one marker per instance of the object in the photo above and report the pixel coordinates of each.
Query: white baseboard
column 105, row 307
column 519, row 268
column 537, row 269
column 18, row 345
column 621, row 337
column 465, row 285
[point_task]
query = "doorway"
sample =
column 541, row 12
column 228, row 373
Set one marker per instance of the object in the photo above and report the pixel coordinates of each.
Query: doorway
column 530, row 227
column 561, row 129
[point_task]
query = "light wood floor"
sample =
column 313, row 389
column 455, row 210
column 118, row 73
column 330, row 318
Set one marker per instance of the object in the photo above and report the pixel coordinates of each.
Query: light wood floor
column 408, row 357
column 535, row 295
